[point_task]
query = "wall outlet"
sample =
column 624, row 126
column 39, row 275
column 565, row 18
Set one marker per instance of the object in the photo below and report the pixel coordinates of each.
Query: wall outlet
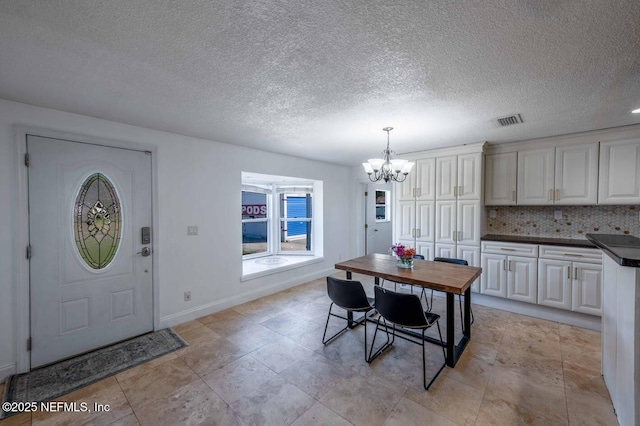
column 557, row 214
column 192, row 230
column 187, row 296
column 492, row 214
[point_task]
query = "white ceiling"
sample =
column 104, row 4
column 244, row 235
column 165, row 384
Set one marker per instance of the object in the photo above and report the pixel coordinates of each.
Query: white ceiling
column 321, row 79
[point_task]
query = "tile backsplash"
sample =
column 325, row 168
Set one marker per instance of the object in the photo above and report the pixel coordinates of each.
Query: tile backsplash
column 576, row 221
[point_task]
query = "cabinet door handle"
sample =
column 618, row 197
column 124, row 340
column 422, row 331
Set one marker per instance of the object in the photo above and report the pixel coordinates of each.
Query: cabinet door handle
column 575, row 273
column 509, row 266
column 550, row 196
column 507, row 249
column 573, row 254
column 455, row 191
column 413, row 192
column 513, row 196
column 568, row 272
column 460, row 236
column 557, row 194
column 504, row 264
column 413, row 232
column 460, row 190
column 418, row 233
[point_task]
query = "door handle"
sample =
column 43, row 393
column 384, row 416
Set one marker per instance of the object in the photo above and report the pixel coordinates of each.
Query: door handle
column 513, row 196
column 146, row 251
column 550, row 196
column 557, row 194
column 504, row 264
column 568, row 272
column 575, row 273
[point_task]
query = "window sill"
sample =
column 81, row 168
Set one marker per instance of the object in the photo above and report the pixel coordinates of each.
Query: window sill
column 260, row 267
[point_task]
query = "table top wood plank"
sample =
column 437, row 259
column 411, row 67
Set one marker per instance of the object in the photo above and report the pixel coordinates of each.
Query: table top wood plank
column 439, row 276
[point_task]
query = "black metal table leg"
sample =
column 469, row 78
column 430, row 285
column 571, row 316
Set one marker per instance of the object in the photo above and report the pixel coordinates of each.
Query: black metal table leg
column 467, row 313
column 451, row 355
column 350, row 320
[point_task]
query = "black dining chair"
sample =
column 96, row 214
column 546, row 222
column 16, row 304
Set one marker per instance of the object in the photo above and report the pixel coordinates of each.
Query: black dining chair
column 350, row 296
column 455, row 262
column 405, row 310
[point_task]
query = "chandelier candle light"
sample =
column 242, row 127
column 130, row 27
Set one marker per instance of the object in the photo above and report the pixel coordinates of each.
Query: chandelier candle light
column 386, row 168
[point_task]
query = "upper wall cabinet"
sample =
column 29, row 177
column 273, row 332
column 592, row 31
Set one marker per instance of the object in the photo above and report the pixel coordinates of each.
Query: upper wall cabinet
column 565, row 175
column 500, row 179
column 459, row 177
column 619, row 181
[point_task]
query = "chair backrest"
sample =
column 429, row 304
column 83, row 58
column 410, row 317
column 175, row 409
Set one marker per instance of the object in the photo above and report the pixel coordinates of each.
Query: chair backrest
column 347, row 294
column 400, row 308
column 450, row 260
column 418, row 256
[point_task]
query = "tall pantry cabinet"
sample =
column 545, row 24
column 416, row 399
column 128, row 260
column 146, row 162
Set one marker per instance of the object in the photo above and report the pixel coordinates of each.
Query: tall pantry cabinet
column 439, row 208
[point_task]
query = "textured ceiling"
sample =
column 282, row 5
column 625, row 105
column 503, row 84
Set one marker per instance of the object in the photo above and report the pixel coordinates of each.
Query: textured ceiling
column 321, row 79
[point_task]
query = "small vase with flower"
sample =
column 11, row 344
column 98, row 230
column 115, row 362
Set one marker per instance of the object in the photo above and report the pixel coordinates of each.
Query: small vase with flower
column 404, row 256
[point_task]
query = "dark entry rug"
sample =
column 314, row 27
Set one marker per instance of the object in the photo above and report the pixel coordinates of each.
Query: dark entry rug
column 49, row 382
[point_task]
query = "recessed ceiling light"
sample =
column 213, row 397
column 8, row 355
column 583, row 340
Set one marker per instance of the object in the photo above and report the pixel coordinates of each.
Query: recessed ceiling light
column 636, row 111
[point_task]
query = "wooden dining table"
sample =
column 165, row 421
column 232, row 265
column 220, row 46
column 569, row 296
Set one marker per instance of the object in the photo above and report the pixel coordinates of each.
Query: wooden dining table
column 448, row 278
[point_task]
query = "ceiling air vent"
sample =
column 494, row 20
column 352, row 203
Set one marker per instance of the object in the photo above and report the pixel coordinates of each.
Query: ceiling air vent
column 508, row 120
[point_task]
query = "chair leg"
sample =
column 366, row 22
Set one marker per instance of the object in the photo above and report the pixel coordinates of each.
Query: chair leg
column 384, row 346
column 429, row 304
column 326, row 326
column 444, row 364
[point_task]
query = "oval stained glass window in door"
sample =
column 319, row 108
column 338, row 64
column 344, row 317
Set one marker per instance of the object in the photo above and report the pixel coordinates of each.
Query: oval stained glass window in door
column 97, row 221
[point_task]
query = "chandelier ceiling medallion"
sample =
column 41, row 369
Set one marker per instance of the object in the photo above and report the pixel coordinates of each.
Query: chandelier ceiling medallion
column 385, row 168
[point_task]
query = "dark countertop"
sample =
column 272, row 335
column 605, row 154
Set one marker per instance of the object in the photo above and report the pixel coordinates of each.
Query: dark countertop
column 538, row 240
column 624, row 249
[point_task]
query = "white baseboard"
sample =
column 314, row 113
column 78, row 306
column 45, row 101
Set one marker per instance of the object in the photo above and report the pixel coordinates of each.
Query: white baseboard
column 577, row 319
column 220, row 305
column 6, row 371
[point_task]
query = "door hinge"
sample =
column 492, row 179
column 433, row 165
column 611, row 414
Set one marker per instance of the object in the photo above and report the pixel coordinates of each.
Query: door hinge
column 366, row 226
column 28, row 252
column 366, row 194
column 29, row 344
column 26, row 160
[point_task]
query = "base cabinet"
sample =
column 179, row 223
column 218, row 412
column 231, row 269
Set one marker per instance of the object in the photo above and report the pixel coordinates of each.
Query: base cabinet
column 545, row 275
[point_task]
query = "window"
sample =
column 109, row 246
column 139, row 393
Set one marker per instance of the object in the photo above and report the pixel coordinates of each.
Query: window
column 382, row 206
column 279, row 217
column 97, row 224
column 296, row 206
column 255, row 222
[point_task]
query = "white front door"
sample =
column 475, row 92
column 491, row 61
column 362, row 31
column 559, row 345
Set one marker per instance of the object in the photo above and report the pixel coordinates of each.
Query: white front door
column 90, row 239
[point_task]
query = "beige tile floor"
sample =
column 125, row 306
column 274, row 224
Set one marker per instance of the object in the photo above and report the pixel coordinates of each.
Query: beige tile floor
column 263, row 363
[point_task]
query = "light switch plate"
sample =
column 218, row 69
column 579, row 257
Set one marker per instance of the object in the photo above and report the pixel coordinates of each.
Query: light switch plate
column 192, row 230
column 557, row 214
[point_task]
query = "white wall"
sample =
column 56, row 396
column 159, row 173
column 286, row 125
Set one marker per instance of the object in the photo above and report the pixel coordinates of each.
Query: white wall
column 199, row 183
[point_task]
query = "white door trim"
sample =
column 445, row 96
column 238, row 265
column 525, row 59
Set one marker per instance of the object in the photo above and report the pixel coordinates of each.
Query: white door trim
column 21, row 292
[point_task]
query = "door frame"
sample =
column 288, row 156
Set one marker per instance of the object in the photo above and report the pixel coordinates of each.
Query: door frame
column 22, row 311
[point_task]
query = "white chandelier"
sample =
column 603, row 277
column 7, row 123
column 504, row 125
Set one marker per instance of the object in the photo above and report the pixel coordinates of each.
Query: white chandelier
column 385, row 168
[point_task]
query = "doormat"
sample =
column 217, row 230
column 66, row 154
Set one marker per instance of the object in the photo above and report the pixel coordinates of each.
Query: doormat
column 46, row 383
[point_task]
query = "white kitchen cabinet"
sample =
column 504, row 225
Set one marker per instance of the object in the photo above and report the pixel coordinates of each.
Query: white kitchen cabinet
column 565, row 175
column 447, row 178
column 415, row 206
column 445, row 250
column 494, row 275
column 500, row 179
column 425, row 172
column 554, row 283
column 619, row 177
column 469, row 177
column 570, row 278
column 586, row 288
column 535, row 177
column 522, row 278
column 468, row 223
column 509, row 270
column 405, row 220
column 426, row 249
column 446, row 222
column 576, row 175
column 472, row 255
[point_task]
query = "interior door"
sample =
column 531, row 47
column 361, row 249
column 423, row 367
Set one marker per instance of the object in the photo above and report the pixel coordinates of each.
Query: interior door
column 89, row 231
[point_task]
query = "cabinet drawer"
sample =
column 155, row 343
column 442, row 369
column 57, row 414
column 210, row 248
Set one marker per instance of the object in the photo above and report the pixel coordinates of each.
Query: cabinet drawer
column 574, row 254
column 510, row 249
